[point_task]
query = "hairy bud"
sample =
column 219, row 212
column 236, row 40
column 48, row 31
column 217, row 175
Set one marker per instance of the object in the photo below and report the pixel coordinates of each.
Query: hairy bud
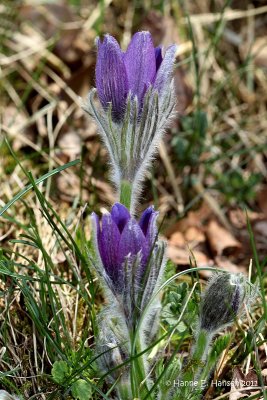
column 222, row 301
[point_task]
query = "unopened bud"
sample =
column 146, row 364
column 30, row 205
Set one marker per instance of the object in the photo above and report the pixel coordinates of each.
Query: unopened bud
column 222, row 301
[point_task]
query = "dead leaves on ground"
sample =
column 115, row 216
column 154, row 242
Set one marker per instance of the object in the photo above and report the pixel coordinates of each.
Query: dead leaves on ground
column 243, row 385
column 199, row 239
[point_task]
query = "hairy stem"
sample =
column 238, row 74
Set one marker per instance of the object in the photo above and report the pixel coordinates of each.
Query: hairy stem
column 124, row 389
column 126, row 193
column 190, row 383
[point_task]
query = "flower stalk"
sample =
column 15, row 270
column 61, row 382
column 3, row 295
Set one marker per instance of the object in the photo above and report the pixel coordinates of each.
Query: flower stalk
column 126, row 193
column 220, row 305
column 194, row 367
column 129, row 260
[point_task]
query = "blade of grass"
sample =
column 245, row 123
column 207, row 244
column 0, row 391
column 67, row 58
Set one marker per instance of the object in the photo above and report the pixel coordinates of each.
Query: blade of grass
column 37, row 181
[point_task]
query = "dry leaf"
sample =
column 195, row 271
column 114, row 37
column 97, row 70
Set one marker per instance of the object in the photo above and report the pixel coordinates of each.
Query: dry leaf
column 193, row 218
column 177, row 239
column 259, row 51
column 181, row 256
column 221, row 241
column 235, row 395
column 241, row 381
column 238, row 217
column 260, row 228
column 225, row 263
column 58, row 258
column 15, row 120
column 194, row 234
column 70, row 144
column 13, row 117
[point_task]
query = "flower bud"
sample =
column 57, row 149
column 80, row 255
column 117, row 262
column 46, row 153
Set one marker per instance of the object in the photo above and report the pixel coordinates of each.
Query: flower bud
column 133, row 72
column 129, row 260
column 222, row 301
column 121, row 237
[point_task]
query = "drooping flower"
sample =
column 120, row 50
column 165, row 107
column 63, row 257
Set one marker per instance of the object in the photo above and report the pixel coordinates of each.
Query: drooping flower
column 119, row 236
column 222, row 301
column 119, row 73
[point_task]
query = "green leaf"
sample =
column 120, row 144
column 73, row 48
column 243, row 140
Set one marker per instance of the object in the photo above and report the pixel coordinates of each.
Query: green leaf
column 60, row 371
column 181, row 327
column 81, row 390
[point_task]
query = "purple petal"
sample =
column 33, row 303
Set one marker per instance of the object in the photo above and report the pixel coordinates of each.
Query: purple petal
column 132, row 241
column 140, row 64
column 148, row 225
column 120, row 215
column 111, row 77
column 158, row 57
column 164, row 73
column 108, row 246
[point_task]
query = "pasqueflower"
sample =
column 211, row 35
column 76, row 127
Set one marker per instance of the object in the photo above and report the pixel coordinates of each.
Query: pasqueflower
column 119, row 236
column 119, row 73
column 136, row 92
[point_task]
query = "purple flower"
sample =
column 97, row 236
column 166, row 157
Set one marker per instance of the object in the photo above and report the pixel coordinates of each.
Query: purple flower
column 141, row 66
column 119, row 236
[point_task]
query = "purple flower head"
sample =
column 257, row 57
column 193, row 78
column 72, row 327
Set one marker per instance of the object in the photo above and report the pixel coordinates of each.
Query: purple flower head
column 141, row 66
column 120, row 236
